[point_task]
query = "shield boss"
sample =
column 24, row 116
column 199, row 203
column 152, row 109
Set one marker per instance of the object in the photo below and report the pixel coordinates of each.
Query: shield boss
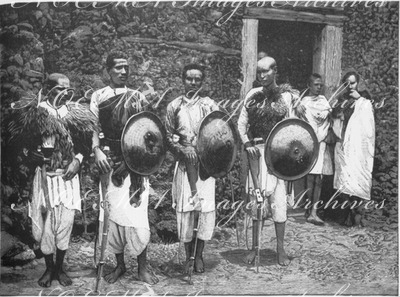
column 291, row 150
column 217, row 143
column 143, row 143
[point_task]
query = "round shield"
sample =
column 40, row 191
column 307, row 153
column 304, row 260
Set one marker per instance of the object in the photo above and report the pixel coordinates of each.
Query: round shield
column 291, row 149
column 216, row 143
column 143, row 143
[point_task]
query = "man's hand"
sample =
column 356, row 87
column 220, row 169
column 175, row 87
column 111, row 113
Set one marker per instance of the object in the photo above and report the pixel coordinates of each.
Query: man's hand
column 101, row 161
column 190, row 154
column 354, row 94
column 253, row 152
column 72, row 169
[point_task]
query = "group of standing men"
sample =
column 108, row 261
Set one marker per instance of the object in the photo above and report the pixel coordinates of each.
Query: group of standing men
column 128, row 193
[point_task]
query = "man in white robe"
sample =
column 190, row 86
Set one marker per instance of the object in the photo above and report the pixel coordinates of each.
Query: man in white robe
column 315, row 109
column 184, row 115
column 354, row 125
column 128, row 220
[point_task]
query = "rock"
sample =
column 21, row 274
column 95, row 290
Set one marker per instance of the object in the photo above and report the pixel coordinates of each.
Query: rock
column 25, row 26
column 7, row 242
column 25, row 255
column 38, row 14
column 11, row 70
column 43, row 22
column 33, row 73
column 27, row 34
column 37, row 64
column 18, row 59
column 25, row 84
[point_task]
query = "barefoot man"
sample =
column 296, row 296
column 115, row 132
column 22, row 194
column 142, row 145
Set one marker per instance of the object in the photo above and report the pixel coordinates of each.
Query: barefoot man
column 127, row 193
column 190, row 191
column 264, row 107
column 42, row 127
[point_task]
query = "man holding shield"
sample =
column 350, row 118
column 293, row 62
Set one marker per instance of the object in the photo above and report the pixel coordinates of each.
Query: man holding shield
column 263, row 108
column 191, row 191
column 127, row 193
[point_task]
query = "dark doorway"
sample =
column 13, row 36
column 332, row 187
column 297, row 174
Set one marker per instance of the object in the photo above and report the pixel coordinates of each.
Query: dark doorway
column 291, row 44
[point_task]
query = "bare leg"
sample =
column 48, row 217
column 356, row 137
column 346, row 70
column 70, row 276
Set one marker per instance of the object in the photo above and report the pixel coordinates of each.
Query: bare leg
column 359, row 213
column 47, row 277
column 188, row 253
column 198, row 261
column 283, row 259
column 144, row 274
column 59, row 273
column 314, row 184
column 349, row 221
column 118, row 271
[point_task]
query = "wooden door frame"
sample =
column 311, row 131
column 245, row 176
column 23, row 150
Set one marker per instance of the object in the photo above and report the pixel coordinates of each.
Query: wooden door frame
column 327, row 55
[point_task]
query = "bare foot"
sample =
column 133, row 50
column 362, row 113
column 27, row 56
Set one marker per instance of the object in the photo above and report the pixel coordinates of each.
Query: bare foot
column 63, row 278
column 349, row 220
column 46, row 278
column 115, row 274
column 314, row 219
column 199, row 265
column 283, row 259
column 188, row 266
column 249, row 259
column 146, row 276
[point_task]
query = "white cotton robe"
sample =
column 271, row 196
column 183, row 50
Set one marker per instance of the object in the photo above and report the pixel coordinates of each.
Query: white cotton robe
column 354, row 154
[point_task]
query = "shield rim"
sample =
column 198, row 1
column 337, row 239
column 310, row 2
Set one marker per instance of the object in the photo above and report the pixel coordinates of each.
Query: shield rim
column 222, row 116
column 158, row 122
column 267, row 149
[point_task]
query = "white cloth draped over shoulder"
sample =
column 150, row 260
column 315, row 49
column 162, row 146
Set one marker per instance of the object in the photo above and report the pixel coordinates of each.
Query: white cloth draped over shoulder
column 121, row 211
column 354, row 154
column 316, row 112
column 183, row 118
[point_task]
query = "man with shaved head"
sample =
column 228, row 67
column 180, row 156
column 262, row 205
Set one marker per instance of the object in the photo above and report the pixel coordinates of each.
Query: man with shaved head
column 263, row 108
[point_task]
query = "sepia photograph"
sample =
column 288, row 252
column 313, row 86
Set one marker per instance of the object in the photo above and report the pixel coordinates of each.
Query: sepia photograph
column 199, row 147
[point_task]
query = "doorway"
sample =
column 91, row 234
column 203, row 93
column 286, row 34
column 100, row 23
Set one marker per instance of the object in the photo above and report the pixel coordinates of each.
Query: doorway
column 291, row 44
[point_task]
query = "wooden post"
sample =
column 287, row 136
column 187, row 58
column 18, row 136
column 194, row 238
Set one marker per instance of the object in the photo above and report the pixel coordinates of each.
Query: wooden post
column 327, row 58
column 249, row 54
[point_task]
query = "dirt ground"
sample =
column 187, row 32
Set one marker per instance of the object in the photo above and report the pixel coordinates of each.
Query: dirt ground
column 328, row 260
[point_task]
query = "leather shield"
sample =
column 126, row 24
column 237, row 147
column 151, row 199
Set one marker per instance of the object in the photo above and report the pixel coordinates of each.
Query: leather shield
column 291, row 149
column 143, row 143
column 217, row 144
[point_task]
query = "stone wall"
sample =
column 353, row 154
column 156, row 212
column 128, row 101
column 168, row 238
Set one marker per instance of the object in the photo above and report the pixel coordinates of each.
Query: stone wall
column 38, row 39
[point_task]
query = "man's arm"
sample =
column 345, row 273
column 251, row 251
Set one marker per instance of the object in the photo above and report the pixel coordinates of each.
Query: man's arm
column 243, row 128
column 100, row 157
column 73, row 167
column 173, row 138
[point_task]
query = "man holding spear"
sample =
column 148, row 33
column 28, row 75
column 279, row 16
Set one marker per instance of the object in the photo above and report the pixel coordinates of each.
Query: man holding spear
column 263, row 108
column 124, row 193
column 193, row 194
